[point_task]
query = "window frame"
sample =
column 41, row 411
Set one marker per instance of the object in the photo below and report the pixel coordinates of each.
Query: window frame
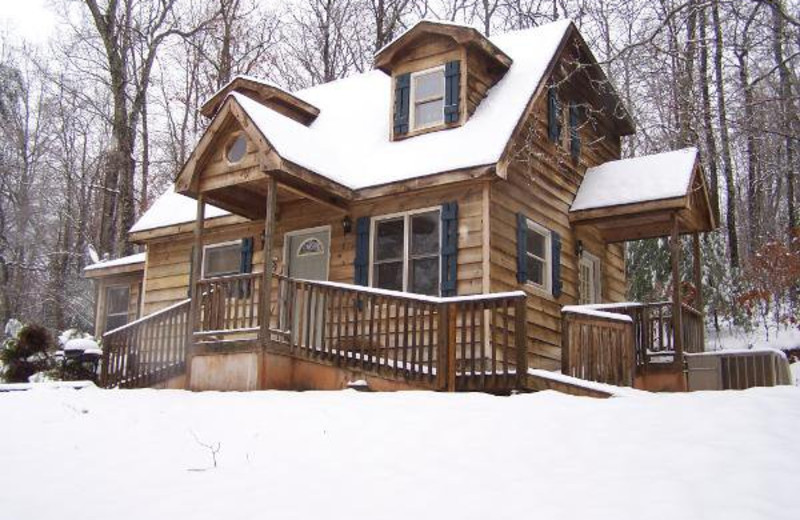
column 597, row 289
column 229, row 145
column 413, row 101
column 126, row 313
column 407, row 257
column 218, row 245
column 547, row 278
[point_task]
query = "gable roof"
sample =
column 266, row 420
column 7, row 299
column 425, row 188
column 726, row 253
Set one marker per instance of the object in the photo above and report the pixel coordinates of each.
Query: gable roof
column 265, row 92
column 639, row 179
column 349, row 142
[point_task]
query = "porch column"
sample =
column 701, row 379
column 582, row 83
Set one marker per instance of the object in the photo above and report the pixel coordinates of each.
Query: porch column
column 698, row 283
column 194, row 305
column 677, row 320
column 266, row 275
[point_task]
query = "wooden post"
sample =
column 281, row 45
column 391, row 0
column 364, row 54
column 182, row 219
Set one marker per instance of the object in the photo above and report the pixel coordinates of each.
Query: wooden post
column 566, row 328
column 451, row 346
column 521, row 330
column 196, row 299
column 698, row 283
column 677, row 321
column 266, row 275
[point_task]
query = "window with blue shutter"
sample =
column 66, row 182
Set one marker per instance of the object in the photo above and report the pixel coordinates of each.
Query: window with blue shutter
column 452, row 90
column 574, row 134
column 402, row 97
column 449, row 249
column 553, row 114
column 361, row 275
column 522, row 248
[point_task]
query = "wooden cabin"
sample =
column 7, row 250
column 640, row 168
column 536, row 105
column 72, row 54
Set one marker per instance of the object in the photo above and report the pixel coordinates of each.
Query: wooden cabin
column 454, row 219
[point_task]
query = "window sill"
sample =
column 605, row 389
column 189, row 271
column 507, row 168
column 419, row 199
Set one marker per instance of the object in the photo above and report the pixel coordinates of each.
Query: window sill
column 426, row 130
column 538, row 291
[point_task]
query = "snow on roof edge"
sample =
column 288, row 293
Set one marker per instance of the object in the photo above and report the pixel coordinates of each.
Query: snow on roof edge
column 138, row 258
column 427, row 20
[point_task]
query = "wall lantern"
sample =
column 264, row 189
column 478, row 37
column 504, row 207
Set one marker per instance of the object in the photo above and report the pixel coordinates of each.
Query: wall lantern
column 579, row 248
column 347, row 224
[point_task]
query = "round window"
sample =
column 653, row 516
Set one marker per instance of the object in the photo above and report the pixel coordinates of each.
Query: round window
column 236, row 149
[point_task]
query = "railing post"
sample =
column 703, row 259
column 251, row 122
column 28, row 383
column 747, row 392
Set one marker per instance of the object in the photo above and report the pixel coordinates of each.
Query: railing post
column 446, row 362
column 566, row 328
column 521, row 331
column 104, row 368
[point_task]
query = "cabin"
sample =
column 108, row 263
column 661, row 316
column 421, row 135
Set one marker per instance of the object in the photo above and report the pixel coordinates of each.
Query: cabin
column 453, row 219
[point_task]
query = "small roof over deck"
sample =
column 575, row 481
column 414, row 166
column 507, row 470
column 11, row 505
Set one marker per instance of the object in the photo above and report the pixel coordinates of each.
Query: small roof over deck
column 644, row 197
column 123, row 265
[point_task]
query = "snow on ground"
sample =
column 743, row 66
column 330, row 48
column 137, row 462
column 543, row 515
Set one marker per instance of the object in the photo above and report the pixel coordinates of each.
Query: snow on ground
column 78, row 454
column 780, row 337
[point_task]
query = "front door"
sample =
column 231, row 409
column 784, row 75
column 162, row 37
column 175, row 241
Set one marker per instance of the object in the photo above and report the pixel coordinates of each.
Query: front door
column 308, row 255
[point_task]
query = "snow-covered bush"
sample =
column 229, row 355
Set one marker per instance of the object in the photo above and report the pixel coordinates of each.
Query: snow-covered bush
column 28, row 352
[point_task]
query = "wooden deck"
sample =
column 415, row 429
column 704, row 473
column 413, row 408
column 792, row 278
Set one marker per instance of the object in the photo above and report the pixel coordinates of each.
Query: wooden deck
column 471, row 343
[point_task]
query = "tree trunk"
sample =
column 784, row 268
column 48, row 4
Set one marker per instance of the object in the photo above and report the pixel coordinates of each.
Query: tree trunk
column 708, row 126
column 730, row 187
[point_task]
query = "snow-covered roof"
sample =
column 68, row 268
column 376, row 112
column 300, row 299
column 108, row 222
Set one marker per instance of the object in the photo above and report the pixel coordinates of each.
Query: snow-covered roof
column 170, row 209
column 423, row 21
column 640, row 179
column 349, row 142
column 137, row 258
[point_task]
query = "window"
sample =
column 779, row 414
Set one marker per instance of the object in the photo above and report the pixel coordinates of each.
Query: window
column 405, row 252
column 538, row 255
column 237, row 149
column 117, row 299
column 311, row 247
column 222, row 259
column 589, row 279
column 427, row 98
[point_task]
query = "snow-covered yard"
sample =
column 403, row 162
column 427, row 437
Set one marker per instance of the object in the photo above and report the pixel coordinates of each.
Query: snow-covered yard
column 137, row 454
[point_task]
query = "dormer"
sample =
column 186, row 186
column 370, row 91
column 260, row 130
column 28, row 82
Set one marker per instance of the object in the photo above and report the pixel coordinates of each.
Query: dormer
column 440, row 74
column 265, row 93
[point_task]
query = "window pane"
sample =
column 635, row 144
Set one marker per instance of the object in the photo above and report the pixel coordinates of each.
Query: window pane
column 389, row 240
column 429, row 85
column 535, row 270
column 389, row 276
column 223, row 260
column 424, row 276
column 237, row 149
column 425, row 234
column 429, row 113
column 117, row 300
column 536, row 243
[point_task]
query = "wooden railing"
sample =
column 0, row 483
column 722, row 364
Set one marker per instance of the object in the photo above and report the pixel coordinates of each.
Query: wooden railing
column 598, row 346
column 654, row 335
column 425, row 340
column 147, row 351
column 229, row 305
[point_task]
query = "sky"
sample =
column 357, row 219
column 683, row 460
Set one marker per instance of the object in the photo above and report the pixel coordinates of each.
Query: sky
column 33, row 20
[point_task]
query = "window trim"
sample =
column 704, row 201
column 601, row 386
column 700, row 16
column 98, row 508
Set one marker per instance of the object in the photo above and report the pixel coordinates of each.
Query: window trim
column 412, row 99
column 548, row 259
column 126, row 313
column 407, row 257
column 217, row 245
column 229, row 144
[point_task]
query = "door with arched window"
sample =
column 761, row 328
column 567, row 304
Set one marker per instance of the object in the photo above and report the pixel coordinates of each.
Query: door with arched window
column 307, row 254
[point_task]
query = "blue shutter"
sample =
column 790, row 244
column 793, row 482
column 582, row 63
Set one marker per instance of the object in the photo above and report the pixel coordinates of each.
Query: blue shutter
column 449, row 278
column 452, row 91
column 553, row 114
column 522, row 248
column 246, row 266
column 555, row 240
column 402, row 93
column 574, row 135
column 361, row 276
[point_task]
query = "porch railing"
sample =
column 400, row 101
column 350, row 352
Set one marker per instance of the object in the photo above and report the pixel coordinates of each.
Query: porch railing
column 229, row 305
column 146, row 351
column 598, row 346
column 428, row 340
column 654, row 330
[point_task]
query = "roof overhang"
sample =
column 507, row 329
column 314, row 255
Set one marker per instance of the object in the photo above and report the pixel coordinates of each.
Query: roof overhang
column 692, row 212
column 468, row 37
column 265, row 93
column 122, row 266
column 243, row 193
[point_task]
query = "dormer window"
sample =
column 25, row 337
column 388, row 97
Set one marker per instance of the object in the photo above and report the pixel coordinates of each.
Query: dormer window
column 427, row 98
